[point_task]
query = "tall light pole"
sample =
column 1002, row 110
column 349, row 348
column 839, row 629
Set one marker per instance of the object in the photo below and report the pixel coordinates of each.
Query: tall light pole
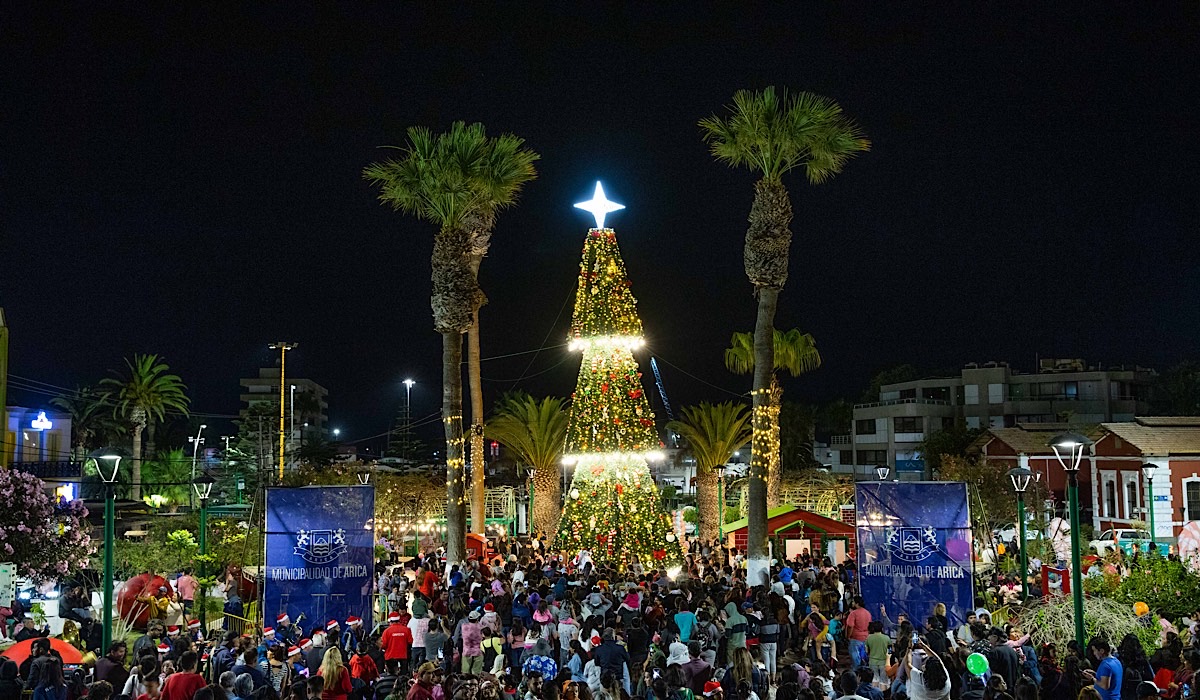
column 197, row 441
column 107, row 462
column 1069, row 449
column 719, row 470
column 203, row 486
column 1148, row 472
column 1021, row 476
column 408, row 385
column 292, row 420
column 282, row 348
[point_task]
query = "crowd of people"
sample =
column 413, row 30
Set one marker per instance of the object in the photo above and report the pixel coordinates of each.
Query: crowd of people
column 528, row 624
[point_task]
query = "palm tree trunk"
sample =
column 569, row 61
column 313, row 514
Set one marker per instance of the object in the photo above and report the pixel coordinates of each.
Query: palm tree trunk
column 151, row 443
column 774, row 468
column 547, row 509
column 757, row 558
column 478, row 489
column 137, row 462
column 706, row 501
column 456, row 515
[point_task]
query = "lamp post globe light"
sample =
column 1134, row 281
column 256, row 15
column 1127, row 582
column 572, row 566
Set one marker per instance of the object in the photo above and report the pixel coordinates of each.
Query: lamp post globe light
column 881, row 471
column 1020, row 477
column 1148, row 473
column 1068, row 449
column 203, row 486
column 108, row 463
column 364, row 476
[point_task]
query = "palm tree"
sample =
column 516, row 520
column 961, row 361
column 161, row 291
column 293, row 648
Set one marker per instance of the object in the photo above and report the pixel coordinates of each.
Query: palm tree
column 795, row 353
column 448, row 180
column 506, row 169
column 91, row 418
column 536, row 432
column 713, row 433
column 144, row 397
column 773, row 134
column 168, row 476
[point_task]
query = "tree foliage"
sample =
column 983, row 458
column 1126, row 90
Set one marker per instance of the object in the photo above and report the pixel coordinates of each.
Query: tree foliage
column 952, row 442
column 891, row 375
column 44, row 538
column 1166, row 586
column 1177, row 392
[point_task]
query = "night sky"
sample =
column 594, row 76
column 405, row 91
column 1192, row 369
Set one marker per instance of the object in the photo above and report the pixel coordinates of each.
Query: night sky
column 187, row 182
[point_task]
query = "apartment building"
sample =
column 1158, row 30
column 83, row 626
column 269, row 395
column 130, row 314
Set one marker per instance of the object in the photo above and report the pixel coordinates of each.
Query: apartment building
column 306, row 406
column 992, row 395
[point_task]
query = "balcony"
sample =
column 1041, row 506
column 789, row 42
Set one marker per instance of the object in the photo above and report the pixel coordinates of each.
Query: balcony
column 52, row 471
column 839, row 440
column 901, row 402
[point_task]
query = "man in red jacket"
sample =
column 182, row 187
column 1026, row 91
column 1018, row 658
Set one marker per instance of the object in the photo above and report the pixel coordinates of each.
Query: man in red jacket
column 183, row 685
column 396, row 640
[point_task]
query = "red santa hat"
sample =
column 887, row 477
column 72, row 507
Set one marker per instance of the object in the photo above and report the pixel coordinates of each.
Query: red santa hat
column 173, row 630
column 306, row 644
column 354, row 621
column 393, row 616
column 164, row 648
column 596, row 640
column 268, row 632
column 282, row 619
column 193, row 624
column 488, row 607
column 331, row 625
column 293, row 651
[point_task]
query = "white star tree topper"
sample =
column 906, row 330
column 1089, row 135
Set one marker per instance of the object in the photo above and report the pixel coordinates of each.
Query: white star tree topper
column 599, row 205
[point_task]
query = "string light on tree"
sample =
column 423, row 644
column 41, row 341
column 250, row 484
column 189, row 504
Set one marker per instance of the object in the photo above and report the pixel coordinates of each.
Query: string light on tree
column 614, row 509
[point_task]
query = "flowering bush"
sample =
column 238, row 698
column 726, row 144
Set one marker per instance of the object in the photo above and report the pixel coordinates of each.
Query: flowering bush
column 44, row 539
column 1165, row 585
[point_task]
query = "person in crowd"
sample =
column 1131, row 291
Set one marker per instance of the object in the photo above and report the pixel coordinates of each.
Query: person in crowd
column 335, row 676
column 249, row 664
column 111, row 666
column 51, row 684
column 1109, row 672
column 184, row 684
column 10, row 683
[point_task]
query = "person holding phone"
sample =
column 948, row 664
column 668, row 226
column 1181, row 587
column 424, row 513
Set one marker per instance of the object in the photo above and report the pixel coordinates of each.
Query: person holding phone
column 1109, row 672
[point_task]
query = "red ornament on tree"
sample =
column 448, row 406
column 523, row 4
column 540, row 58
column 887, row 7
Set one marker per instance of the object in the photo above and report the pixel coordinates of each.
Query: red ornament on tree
column 620, row 489
column 660, row 554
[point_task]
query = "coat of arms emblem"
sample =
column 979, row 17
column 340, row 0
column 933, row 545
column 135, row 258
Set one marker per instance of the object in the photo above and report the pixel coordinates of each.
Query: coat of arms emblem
column 320, row 546
column 911, row 544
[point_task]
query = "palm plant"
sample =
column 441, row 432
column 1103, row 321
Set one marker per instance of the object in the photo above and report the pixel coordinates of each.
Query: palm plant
column 773, row 134
column 795, row 353
column 713, row 433
column 168, row 479
column 451, row 181
column 536, row 432
column 91, row 418
column 143, row 398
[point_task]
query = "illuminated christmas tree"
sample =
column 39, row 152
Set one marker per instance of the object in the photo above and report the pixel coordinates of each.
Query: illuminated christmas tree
column 612, row 508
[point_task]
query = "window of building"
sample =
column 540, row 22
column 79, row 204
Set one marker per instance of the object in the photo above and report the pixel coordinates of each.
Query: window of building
column 1131, row 497
column 1016, row 391
column 996, row 422
column 947, row 423
column 872, row 457
column 973, row 422
column 1192, row 499
column 971, row 397
column 908, row 393
column 908, row 424
column 995, row 393
column 865, row 427
column 959, row 394
column 845, row 457
column 1110, row 498
column 936, row 393
column 1071, row 390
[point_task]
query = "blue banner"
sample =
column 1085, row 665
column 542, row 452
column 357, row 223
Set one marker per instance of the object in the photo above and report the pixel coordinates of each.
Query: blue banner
column 915, row 549
column 320, row 561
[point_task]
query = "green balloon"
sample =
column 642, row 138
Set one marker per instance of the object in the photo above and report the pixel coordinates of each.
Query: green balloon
column 977, row 664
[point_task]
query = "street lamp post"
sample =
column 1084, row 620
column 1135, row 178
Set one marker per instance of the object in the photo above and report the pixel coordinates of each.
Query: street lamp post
column 719, row 470
column 1021, row 476
column 203, row 486
column 1069, row 449
column 364, row 476
column 107, row 462
column 197, row 441
column 406, row 446
column 881, row 471
column 1148, row 472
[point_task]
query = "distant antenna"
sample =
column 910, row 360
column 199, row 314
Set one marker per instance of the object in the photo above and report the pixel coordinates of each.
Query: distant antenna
column 661, row 391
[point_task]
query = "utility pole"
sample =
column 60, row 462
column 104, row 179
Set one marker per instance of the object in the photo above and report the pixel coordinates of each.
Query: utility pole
column 282, row 347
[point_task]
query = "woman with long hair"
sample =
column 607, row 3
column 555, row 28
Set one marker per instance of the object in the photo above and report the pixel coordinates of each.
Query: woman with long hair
column 335, row 675
column 742, row 670
column 1133, row 657
column 51, row 685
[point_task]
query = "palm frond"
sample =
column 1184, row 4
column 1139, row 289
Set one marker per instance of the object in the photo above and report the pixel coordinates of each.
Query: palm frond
column 535, row 430
column 739, row 356
column 713, row 431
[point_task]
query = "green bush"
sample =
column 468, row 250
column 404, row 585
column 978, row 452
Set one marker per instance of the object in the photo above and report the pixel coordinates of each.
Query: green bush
column 1052, row 621
column 1165, row 585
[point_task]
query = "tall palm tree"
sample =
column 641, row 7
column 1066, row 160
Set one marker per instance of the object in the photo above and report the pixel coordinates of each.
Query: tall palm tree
column 536, row 432
column 507, row 167
column 144, row 396
column 91, row 418
column 713, row 433
column 448, row 180
column 795, row 353
column 773, row 134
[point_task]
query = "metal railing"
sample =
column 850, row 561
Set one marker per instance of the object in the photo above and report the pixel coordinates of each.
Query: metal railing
column 898, row 402
column 51, row 470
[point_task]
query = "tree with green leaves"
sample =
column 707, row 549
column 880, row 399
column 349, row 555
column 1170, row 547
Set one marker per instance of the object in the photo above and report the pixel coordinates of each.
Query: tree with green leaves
column 773, row 133
column 453, row 180
column 713, row 433
column 891, row 375
column 535, row 431
column 144, row 397
column 168, row 479
column 92, row 421
column 795, row 353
